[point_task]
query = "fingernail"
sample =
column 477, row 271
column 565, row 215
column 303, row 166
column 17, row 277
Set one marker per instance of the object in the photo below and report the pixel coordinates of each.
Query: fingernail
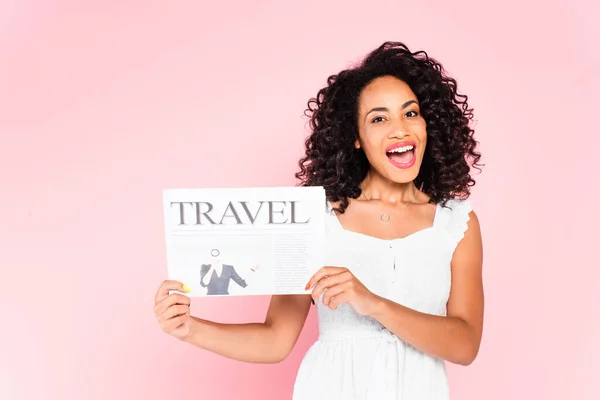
column 186, row 288
column 307, row 286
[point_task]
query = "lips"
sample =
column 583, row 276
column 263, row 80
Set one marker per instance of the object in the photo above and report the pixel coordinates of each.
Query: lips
column 402, row 154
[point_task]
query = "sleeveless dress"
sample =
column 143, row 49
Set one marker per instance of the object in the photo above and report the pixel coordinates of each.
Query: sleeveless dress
column 355, row 357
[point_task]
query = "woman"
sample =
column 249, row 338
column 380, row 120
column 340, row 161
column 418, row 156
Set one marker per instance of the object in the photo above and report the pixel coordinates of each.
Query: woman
column 215, row 277
column 402, row 289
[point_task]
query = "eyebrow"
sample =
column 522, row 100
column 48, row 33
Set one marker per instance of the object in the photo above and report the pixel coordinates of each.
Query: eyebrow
column 385, row 109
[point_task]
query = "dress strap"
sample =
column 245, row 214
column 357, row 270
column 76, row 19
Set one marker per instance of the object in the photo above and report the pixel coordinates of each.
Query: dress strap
column 453, row 219
column 331, row 219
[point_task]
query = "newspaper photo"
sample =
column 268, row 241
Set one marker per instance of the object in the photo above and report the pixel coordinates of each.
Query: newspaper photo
column 244, row 241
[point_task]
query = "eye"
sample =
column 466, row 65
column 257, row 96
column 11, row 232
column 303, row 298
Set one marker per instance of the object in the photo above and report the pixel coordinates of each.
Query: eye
column 412, row 114
column 377, row 119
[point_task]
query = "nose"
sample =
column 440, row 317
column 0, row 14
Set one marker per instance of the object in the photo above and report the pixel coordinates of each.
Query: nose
column 397, row 130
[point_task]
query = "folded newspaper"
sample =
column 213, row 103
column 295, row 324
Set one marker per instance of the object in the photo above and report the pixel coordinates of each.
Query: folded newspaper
column 244, row 241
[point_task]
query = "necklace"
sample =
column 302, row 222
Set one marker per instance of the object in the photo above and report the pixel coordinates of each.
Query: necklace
column 386, row 217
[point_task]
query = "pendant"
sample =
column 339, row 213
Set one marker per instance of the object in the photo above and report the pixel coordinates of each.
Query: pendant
column 385, row 217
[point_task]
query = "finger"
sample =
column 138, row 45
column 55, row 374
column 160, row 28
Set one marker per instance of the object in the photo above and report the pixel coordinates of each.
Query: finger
column 167, row 286
column 175, row 323
column 173, row 311
column 329, row 282
column 323, row 272
column 170, row 300
column 336, row 300
column 334, row 291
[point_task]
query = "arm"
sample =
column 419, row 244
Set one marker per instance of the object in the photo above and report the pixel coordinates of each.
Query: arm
column 457, row 336
column 236, row 278
column 267, row 342
column 205, row 274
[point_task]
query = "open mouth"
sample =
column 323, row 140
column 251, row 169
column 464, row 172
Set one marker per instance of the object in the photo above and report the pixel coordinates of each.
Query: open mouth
column 402, row 155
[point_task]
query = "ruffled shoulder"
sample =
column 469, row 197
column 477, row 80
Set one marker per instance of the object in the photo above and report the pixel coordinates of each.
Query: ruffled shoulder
column 456, row 218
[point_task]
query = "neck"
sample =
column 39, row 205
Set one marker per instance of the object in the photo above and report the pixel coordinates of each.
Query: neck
column 376, row 187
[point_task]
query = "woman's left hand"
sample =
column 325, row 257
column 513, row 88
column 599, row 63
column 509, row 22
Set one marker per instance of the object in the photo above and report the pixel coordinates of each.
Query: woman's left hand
column 341, row 286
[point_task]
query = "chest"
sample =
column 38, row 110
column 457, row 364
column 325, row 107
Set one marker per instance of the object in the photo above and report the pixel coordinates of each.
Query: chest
column 388, row 224
column 413, row 271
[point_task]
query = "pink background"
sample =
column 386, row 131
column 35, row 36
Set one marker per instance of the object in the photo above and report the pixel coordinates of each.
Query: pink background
column 104, row 104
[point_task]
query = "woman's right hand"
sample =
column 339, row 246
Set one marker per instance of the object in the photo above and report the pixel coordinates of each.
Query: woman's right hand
column 172, row 310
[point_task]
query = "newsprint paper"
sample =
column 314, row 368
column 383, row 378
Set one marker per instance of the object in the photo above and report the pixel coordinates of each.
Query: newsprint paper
column 244, row 241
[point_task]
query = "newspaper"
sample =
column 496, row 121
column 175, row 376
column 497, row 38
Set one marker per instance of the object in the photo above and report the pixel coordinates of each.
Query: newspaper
column 244, row 241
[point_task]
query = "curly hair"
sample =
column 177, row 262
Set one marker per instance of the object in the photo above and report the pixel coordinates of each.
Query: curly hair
column 332, row 161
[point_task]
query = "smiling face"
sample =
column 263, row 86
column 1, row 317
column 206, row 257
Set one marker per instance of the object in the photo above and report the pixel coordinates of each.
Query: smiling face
column 391, row 131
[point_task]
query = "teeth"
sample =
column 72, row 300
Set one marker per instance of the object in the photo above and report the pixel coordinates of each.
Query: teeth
column 401, row 149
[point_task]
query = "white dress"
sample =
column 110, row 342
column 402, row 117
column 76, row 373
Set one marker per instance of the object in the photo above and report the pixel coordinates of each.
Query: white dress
column 355, row 357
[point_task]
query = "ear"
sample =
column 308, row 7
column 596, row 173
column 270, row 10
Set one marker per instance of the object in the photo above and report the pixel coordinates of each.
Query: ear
column 357, row 144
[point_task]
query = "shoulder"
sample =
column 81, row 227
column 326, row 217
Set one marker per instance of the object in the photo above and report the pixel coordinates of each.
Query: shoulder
column 331, row 206
column 459, row 218
column 456, row 204
column 458, row 209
